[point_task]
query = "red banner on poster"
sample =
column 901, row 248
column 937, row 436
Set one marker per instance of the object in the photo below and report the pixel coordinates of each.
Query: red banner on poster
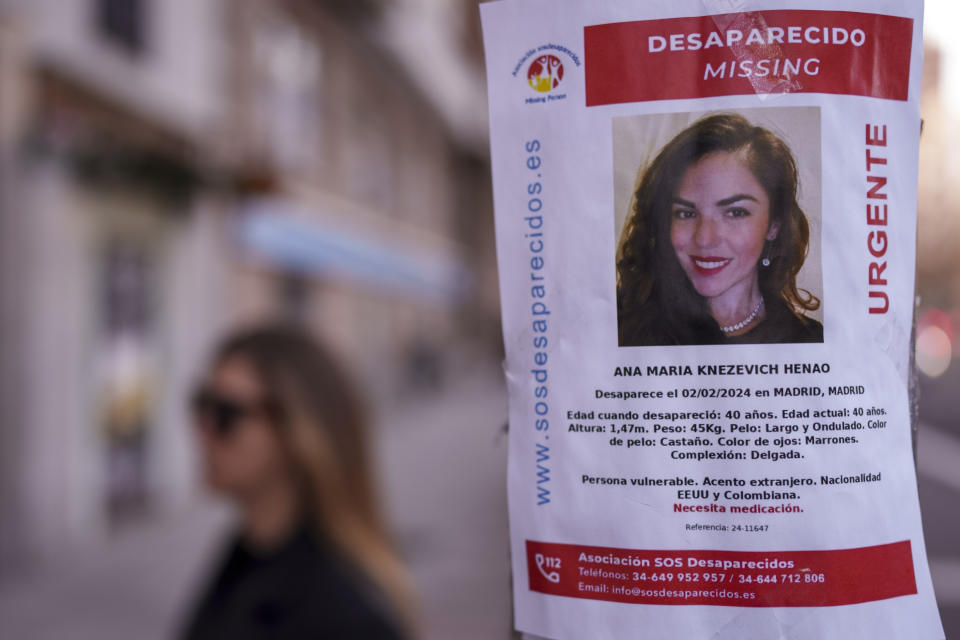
column 728, row 578
column 785, row 51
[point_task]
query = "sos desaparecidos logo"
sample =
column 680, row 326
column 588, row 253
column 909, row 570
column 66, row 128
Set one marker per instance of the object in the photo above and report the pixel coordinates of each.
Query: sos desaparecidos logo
column 546, row 68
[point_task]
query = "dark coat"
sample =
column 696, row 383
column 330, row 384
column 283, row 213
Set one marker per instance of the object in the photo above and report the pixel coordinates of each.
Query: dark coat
column 301, row 591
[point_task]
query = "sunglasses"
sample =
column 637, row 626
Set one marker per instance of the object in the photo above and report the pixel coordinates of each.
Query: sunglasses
column 223, row 413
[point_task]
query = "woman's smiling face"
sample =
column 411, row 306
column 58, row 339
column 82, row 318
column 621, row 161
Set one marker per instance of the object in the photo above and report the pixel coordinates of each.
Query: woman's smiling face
column 720, row 220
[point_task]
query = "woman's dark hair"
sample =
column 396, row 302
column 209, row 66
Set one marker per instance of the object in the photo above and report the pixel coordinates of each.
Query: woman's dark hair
column 323, row 424
column 656, row 302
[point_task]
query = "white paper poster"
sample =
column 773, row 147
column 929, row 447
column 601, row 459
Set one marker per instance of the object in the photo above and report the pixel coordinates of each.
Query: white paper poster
column 706, row 224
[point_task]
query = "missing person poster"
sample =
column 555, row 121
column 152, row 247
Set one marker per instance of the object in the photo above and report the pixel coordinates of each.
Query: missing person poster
column 706, row 222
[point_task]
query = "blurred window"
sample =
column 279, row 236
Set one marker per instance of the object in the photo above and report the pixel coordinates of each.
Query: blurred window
column 123, row 22
column 288, row 62
column 126, row 389
column 126, row 274
column 369, row 158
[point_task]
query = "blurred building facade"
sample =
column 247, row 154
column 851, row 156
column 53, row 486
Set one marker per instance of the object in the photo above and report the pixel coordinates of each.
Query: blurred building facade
column 171, row 169
column 939, row 207
column 938, row 263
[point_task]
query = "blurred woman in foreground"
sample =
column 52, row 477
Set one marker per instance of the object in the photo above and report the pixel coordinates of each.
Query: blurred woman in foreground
column 283, row 436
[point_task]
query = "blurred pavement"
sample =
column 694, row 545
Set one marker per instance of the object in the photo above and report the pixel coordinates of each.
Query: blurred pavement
column 939, row 485
column 939, row 482
column 132, row 585
column 444, row 478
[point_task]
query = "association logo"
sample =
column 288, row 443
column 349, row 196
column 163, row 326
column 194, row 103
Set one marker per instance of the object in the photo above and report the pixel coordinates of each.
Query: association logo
column 545, row 73
column 546, row 67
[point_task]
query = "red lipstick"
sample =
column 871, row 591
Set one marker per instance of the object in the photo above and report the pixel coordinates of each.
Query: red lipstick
column 709, row 265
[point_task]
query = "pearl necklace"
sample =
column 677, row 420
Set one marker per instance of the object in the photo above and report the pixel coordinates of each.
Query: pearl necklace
column 733, row 328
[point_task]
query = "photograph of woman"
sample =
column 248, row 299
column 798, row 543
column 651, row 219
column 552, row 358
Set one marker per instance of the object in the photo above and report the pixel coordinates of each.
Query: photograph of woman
column 713, row 242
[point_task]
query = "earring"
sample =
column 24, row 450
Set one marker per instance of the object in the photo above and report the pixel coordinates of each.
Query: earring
column 766, row 255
